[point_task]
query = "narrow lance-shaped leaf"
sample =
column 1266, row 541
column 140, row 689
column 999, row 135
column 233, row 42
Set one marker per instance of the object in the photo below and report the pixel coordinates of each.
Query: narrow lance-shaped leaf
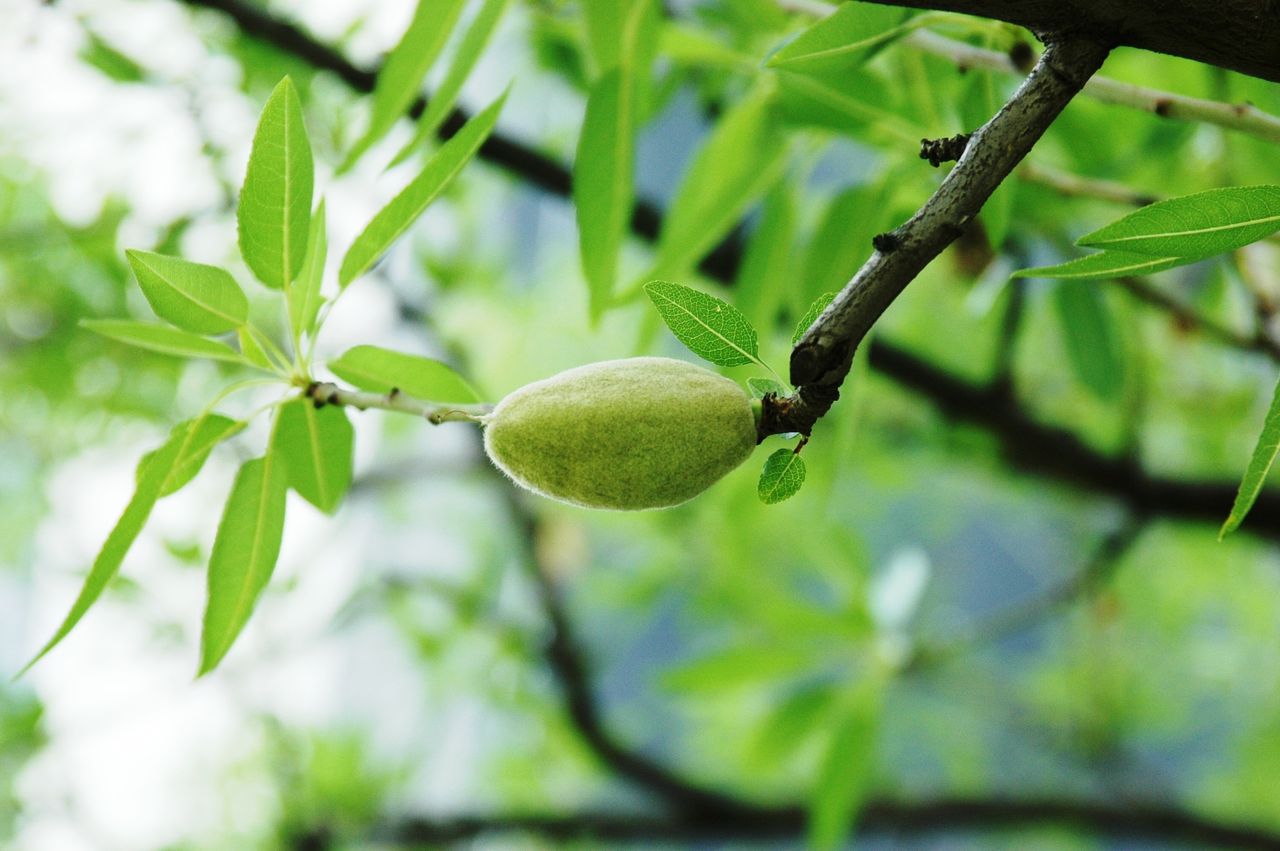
column 395, row 218
column 163, row 339
column 845, row 40
column 767, row 270
column 304, row 295
column 739, row 161
column 1105, row 266
column 199, row 437
column 315, row 445
column 400, row 78
column 1264, row 455
column 446, row 94
column 252, row 349
column 154, row 470
column 842, row 779
column 379, row 370
column 603, row 183
column 1198, row 225
column 712, row 329
column 193, row 296
column 1092, row 343
column 782, row 476
column 244, row 554
column 274, row 215
column 811, row 315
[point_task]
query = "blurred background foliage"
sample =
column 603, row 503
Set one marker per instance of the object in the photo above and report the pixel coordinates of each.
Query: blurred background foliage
column 996, row 615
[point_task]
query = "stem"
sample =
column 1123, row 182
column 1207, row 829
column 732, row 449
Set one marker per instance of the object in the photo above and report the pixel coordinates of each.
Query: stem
column 328, row 393
column 274, row 352
column 821, row 359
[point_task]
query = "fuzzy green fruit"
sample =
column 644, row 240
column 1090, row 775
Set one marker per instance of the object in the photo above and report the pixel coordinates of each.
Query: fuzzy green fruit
column 623, row 434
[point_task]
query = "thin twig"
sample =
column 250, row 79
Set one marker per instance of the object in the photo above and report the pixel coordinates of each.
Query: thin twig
column 1240, row 117
column 328, row 393
column 1109, row 554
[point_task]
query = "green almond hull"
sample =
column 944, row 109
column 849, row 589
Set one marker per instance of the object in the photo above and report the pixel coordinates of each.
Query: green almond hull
column 623, row 434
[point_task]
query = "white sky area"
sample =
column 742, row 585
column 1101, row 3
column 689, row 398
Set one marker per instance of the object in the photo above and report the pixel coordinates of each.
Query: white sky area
column 140, row 756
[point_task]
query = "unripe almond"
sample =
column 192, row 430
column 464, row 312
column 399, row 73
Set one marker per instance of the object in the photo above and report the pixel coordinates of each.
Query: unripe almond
column 622, row 434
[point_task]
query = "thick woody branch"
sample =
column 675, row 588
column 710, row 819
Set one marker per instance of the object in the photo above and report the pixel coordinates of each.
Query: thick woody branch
column 821, row 359
column 1239, row 35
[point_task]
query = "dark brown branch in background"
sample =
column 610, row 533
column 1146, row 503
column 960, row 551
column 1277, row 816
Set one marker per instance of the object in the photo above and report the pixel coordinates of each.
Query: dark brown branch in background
column 533, row 167
column 689, row 812
column 1239, row 35
column 1117, row 821
column 1032, row 446
column 1102, row 564
column 821, row 359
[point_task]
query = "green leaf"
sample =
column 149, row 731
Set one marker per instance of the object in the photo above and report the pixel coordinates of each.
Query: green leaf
column 792, row 723
column 379, row 370
column 193, row 296
column 761, row 387
column 395, row 218
column 304, row 294
column 842, row 241
column 602, row 183
column 844, row 41
column 198, row 438
column 162, row 338
column 252, row 349
column 739, row 161
column 811, row 315
column 1105, row 266
column 1264, row 455
column 848, row 106
column 154, row 470
column 738, row 667
column 768, row 271
column 400, row 78
column 446, row 94
column 111, row 62
column 1093, row 346
column 316, row 447
column 712, row 329
column 274, row 215
column 1197, row 225
column 621, row 32
column 244, row 554
column 692, row 48
column 843, row 776
column 782, row 476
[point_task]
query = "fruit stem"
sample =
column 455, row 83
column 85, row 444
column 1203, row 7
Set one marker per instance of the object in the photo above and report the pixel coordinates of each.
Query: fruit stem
column 327, row 393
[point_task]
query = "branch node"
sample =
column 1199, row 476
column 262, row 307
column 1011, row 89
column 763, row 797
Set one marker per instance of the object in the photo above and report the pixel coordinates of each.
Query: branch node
column 1022, row 56
column 885, row 242
column 939, row 151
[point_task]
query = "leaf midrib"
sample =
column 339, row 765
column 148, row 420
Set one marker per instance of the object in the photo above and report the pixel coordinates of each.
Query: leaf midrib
column 704, row 324
column 142, row 260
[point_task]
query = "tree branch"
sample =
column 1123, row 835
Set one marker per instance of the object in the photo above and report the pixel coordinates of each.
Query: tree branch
column 1030, row 445
column 821, row 359
column 1241, row 117
column 1114, row 820
column 1104, row 561
column 1239, row 35
column 327, row 393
